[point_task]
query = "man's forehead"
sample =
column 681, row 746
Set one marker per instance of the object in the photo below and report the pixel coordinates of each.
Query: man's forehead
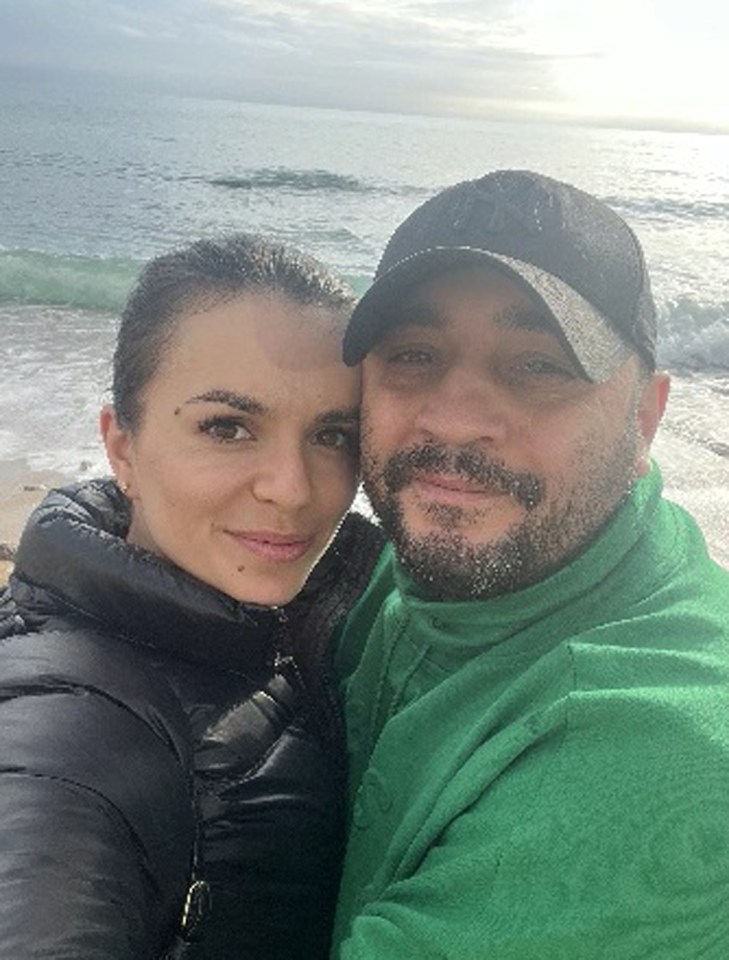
column 490, row 297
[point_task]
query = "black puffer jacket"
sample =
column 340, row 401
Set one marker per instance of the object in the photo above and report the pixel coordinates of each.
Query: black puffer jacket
column 140, row 709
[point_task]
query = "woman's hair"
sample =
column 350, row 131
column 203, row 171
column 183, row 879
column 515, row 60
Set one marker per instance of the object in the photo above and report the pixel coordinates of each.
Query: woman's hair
column 199, row 276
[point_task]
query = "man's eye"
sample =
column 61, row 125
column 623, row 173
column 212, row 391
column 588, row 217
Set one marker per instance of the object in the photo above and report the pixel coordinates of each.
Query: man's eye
column 415, row 356
column 225, row 429
column 547, row 367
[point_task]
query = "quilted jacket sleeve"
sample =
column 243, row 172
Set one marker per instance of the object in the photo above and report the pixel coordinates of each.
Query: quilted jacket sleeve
column 96, row 817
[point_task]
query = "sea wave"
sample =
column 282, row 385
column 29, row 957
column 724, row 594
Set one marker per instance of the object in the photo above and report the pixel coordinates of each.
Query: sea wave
column 307, row 181
column 666, row 208
column 693, row 335
column 99, row 284
column 88, row 283
column 271, row 178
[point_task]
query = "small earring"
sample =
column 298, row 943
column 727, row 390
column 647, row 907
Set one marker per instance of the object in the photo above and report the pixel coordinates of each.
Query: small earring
column 123, row 486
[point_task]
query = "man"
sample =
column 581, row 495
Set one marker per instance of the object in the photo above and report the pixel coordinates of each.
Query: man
column 536, row 679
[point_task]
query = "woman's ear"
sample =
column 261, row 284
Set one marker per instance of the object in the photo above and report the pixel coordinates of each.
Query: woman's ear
column 118, row 444
column 649, row 412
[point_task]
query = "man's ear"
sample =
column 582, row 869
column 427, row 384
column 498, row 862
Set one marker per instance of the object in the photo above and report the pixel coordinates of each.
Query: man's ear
column 649, row 412
column 118, row 444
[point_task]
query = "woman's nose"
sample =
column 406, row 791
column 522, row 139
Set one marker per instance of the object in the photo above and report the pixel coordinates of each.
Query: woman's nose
column 284, row 479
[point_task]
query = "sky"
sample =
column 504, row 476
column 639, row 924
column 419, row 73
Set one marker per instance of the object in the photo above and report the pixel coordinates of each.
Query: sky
column 634, row 63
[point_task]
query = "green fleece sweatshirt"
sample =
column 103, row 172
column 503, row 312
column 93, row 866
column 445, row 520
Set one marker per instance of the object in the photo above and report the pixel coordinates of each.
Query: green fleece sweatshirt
column 544, row 775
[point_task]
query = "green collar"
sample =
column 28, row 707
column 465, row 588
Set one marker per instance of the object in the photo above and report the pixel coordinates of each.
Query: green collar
column 510, row 612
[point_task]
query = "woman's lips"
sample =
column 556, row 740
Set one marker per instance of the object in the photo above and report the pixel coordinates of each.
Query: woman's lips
column 281, row 548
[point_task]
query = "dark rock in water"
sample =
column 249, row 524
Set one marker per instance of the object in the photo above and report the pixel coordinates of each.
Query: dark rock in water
column 719, row 448
column 7, row 552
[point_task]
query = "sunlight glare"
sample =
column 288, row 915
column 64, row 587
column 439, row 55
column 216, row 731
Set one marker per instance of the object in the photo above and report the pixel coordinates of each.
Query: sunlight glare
column 632, row 60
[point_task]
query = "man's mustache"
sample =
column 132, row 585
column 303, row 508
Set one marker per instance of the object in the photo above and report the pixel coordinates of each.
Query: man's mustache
column 470, row 465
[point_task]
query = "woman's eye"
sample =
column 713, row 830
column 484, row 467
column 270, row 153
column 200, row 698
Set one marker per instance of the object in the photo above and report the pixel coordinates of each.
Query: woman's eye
column 338, row 439
column 225, row 429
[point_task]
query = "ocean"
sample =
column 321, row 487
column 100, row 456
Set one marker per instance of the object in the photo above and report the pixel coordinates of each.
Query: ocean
column 93, row 181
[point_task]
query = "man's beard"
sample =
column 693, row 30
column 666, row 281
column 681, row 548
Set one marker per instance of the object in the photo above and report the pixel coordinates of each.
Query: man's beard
column 446, row 565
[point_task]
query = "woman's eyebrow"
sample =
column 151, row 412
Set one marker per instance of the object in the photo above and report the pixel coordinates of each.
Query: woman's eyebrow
column 248, row 404
column 238, row 401
column 344, row 416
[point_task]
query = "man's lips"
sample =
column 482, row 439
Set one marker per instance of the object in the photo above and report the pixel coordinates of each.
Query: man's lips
column 446, row 475
column 268, row 545
column 452, row 488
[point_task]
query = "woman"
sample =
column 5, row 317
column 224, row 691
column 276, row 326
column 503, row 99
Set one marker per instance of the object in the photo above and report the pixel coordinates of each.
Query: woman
column 169, row 744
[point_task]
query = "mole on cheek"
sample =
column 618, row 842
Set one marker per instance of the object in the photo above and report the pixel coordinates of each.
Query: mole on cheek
column 241, row 568
column 178, row 410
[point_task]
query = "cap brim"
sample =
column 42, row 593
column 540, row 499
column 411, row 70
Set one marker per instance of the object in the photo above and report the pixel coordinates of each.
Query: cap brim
column 596, row 347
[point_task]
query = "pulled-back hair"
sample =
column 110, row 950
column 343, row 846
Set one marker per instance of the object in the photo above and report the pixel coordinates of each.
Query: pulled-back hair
column 201, row 275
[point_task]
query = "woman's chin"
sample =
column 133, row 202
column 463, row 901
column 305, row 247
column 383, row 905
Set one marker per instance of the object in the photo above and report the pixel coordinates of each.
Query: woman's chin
column 260, row 591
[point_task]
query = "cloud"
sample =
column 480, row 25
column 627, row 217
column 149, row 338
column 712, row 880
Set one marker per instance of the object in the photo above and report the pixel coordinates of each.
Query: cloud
column 554, row 58
column 337, row 25
column 397, row 55
column 128, row 31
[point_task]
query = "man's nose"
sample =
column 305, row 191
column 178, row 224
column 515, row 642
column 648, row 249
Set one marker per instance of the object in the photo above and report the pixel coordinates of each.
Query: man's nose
column 465, row 406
